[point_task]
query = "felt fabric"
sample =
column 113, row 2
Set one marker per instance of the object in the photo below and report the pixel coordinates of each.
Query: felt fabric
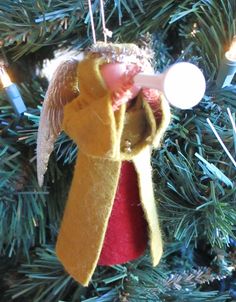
column 101, row 135
column 126, row 234
column 144, row 171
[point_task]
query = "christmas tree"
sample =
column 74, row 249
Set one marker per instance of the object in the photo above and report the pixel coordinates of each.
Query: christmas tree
column 194, row 174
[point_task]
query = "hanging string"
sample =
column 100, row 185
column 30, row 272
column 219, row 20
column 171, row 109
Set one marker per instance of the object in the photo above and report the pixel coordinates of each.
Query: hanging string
column 106, row 32
column 92, row 23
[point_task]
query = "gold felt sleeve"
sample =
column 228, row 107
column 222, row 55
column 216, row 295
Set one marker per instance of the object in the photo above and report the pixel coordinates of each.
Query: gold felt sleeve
column 92, row 127
column 163, row 123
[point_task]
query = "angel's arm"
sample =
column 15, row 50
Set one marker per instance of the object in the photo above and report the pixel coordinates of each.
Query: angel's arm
column 92, row 128
column 161, row 111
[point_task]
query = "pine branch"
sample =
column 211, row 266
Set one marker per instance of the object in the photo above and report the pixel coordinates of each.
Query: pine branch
column 184, row 295
column 175, row 279
column 26, row 28
column 65, row 149
column 211, row 29
column 59, row 173
column 189, row 294
column 33, row 26
column 45, row 280
column 193, row 278
column 22, row 207
column 174, row 291
column 196, row 178
column 158, row 16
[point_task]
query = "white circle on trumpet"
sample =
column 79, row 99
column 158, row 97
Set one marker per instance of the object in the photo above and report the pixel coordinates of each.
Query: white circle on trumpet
column 184, row 85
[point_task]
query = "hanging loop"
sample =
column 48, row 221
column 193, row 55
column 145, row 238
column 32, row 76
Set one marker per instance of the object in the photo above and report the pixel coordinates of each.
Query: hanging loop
column 106, row 31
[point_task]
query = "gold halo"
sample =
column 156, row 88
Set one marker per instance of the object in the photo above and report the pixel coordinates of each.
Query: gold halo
column 122, row 53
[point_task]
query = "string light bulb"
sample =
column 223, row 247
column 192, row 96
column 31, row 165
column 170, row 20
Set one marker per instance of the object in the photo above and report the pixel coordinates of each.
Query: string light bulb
column 12, row 92
column 231, row 53
column 228, row 66
column 5, row 79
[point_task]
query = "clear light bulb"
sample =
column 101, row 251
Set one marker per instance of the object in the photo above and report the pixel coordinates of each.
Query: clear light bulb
column 231, row 53
column 5, row 79
column 12, row 92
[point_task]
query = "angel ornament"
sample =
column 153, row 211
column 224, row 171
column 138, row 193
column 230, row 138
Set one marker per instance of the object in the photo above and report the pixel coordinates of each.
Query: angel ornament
column 110, row 214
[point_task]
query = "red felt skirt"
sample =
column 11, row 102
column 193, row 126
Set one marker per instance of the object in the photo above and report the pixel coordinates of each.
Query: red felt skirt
column 126, row 236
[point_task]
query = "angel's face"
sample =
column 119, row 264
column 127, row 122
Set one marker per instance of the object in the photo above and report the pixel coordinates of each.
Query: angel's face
column 122, row 63
column 118, row 75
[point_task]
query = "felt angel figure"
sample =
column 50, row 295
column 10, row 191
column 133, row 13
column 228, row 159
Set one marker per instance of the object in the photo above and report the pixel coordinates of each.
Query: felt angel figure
column 111, row 213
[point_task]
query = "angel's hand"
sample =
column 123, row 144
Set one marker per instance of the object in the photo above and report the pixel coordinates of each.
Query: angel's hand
column 119, row 79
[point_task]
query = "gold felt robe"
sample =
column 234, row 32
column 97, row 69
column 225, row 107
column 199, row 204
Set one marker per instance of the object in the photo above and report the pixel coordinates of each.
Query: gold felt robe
column 101, row 135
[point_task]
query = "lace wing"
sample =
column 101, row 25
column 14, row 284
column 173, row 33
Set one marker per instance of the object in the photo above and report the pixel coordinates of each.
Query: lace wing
column 62, row 89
